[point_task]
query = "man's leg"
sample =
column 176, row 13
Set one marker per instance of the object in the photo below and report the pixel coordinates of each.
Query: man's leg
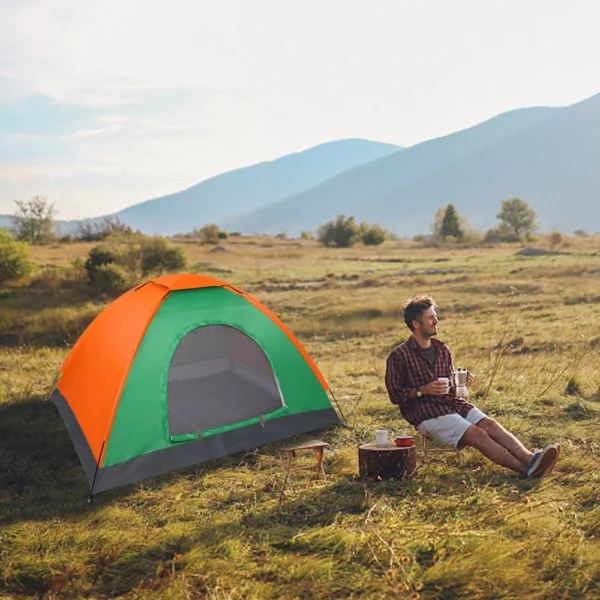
column 478, row 438
column 506, row 439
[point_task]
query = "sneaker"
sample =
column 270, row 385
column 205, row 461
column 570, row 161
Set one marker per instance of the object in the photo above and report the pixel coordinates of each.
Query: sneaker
column 543, row 461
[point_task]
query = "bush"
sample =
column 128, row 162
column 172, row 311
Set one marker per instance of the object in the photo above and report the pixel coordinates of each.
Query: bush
column 222, row 235
column 111, row 279
column 373, row 235
column 97, row 257
column 149, row 256
column 158, row 256
column 342, row 233
column 581, row 233
column 306, row 235
column 501, row 233
column 209, row 234
column 556, row 239
column 14, row 258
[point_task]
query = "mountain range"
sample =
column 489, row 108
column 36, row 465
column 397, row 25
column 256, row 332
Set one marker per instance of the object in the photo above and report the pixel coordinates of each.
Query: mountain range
column 546, row 156
column 254, row 187
column 549, row 157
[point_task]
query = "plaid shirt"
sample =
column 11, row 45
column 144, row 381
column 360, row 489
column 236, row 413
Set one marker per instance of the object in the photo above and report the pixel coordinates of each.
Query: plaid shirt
column 408, row 368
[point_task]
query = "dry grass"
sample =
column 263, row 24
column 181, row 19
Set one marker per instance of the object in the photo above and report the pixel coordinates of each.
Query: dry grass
column 527, row 326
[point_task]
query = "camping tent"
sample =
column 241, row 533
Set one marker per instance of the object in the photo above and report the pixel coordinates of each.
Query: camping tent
column 180, row 370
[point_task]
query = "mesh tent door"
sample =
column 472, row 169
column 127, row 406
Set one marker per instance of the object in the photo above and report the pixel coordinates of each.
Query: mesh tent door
column 219, row 376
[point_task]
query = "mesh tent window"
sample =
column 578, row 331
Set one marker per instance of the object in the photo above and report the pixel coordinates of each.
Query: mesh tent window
column 219, row 376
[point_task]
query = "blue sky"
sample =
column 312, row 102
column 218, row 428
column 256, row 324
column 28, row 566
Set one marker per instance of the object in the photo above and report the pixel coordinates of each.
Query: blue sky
column 107, row 104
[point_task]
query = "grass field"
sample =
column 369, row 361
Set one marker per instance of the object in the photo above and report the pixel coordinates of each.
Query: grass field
column 528, row 327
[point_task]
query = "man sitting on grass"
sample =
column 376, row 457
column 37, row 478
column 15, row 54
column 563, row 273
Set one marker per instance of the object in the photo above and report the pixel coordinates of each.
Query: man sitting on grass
column 411, row 379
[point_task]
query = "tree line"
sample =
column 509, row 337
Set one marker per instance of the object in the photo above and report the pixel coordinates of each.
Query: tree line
column 34, row 223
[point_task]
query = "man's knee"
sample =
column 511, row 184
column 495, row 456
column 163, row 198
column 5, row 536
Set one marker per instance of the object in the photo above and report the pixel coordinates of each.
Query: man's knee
column 474, row 437
column 488, row 424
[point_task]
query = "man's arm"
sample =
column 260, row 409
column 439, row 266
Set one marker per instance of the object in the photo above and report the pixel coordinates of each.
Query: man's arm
column 395, row 381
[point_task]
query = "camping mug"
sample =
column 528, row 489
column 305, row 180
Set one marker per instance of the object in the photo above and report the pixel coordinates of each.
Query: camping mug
column 445, row 381
column 381, row 438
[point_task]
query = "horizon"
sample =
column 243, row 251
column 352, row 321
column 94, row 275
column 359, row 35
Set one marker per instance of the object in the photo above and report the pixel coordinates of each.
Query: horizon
column 98, row 113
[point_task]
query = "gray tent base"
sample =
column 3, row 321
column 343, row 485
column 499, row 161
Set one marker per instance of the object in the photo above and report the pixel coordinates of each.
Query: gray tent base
column 182, row 455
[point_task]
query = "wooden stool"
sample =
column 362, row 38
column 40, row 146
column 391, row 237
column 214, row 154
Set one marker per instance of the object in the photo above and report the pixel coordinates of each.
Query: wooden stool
column 386, row 462
column 287, row 454
column 426, row 450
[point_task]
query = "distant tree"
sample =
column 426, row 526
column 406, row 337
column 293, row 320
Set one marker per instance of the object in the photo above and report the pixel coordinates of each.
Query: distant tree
column 342, row 233
column 97, row 231
column 450, row 226
column 33, row 221
column 14, row 259
column 518, row 217
column 448, row 223
column 306, row 235
column 372, row 235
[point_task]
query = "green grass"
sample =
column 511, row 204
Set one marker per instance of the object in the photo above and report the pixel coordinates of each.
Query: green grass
column 528, row 328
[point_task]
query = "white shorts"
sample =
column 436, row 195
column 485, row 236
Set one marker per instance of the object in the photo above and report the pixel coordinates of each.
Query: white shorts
column 449, row 429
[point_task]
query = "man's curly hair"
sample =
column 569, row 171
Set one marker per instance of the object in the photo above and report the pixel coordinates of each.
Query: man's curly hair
column 413, row 309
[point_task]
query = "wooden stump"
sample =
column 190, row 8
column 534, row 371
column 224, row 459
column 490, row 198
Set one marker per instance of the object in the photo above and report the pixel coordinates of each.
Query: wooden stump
column 390, row 462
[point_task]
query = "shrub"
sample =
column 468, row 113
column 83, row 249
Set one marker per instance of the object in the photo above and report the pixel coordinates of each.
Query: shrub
column 372, row 235
column 501, row 233
column 581, row 233
column 14, row 258
column 556, row 239
column 111, row 278
column 306, row 235
column 209, row 234
column 97, row 257
column 222, row 235
column 158, row 256
column 342, row 233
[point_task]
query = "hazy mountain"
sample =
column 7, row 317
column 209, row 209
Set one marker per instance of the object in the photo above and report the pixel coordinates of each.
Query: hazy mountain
column 547, row 156
column 251, row 187
column 248, row 188
column 5, row 221
column 358, row 191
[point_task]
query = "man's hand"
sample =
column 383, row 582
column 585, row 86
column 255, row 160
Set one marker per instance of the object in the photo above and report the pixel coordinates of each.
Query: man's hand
column 470, row 378
column 435, row 388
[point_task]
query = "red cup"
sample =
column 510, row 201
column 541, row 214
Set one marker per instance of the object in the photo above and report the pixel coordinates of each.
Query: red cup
column 404, row 440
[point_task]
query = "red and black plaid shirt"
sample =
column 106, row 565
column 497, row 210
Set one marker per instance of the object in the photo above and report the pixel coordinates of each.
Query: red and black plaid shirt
column 408, row 368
